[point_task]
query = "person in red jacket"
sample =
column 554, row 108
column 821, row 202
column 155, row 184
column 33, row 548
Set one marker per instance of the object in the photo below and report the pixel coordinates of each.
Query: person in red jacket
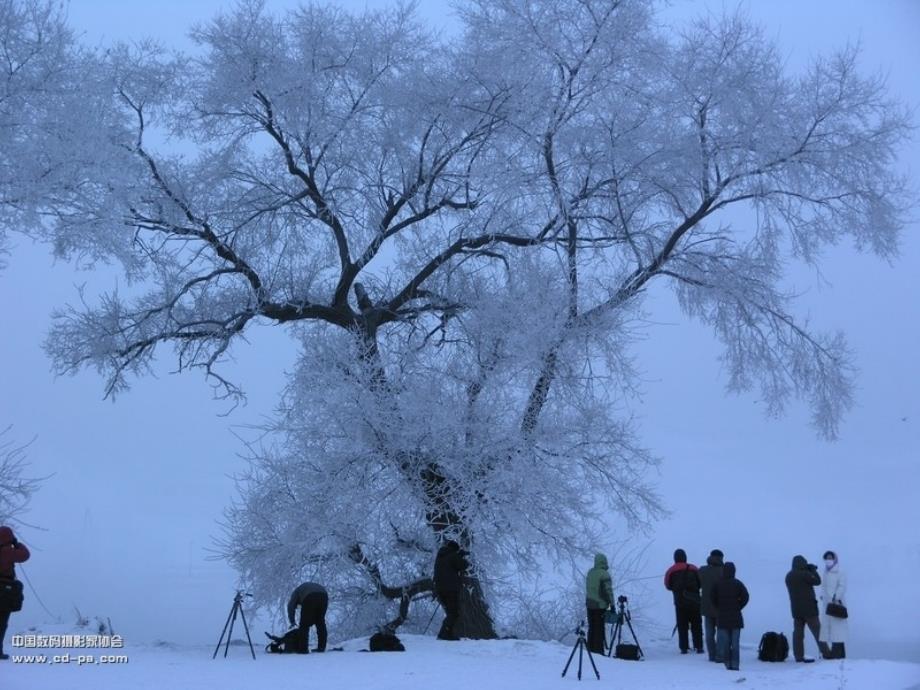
column 11, row 552
column 683, row 580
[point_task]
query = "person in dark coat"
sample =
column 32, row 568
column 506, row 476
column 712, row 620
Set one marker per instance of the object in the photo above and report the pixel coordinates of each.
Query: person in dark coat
column 11, row 552
column 709, row 575
column 683, row 580
column 801, row 582
column 449, row 566
column 729, row 596
column 598, row 598
column 313, row 601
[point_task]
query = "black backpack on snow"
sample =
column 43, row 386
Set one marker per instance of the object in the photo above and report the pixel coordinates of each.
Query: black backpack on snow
column 386, row 642
column 773, row 647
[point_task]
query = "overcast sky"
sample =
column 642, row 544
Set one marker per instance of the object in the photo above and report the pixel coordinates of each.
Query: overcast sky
column 122, row 527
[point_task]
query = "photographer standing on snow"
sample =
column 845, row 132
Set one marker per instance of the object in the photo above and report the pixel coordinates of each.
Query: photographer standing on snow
column 598, row 598
column 449, row 566
column 801, row 582
column 11, row 552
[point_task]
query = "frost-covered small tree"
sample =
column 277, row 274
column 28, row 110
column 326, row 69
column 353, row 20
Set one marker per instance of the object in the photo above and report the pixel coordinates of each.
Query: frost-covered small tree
column 390, row 197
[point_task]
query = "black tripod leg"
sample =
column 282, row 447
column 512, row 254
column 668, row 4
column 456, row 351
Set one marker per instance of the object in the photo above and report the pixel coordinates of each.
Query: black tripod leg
column 223, row 632
column 591, row 659
column 581, row 651
column 246, row 627
column 570, row 660
column 635, row 639
column 236, row 606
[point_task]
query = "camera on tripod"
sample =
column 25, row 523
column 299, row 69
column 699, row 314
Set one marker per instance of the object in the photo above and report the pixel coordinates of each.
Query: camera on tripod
column 618, row 619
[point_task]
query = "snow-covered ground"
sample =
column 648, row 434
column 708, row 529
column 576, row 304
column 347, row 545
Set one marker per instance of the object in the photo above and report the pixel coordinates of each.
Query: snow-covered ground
column 428, row 663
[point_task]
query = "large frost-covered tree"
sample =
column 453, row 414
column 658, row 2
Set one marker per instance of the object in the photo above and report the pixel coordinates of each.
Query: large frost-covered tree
column 459, row 234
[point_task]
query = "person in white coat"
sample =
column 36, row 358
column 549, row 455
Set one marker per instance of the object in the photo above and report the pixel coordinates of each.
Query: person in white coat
column 834, row 587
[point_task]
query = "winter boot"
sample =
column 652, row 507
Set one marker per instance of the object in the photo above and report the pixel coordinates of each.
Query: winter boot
column 838, row 651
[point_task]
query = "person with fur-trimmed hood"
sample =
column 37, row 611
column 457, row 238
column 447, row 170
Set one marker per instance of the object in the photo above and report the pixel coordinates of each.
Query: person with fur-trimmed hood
column 709, row 575
column 834, row 630
column 12, row 551
column 598, row 598
column 683, row 580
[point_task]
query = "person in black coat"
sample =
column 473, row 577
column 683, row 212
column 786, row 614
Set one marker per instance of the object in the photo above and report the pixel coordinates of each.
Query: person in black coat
column 313, row 601
column 709, row 575
column 449, row 566
column 801, row 582
column 729, row 596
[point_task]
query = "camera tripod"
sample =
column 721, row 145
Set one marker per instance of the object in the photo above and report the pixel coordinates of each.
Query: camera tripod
column 616, row 634
column 581, row 646
column 231, row 619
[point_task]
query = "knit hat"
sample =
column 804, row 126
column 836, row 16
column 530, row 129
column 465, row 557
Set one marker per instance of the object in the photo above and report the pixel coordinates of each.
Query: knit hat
column 680, row 556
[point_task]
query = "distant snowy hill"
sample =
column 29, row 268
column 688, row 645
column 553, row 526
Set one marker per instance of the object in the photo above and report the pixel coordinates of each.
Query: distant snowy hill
column 428, row 663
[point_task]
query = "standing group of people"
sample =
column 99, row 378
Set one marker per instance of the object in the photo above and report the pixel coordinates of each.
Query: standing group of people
column 712, row 598
column 713, row 593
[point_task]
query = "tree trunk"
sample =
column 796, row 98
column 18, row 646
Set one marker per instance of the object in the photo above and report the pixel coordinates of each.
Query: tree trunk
column 475, row 621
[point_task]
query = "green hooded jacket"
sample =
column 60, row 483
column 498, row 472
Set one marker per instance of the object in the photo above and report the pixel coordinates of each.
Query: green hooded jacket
column 598, row 585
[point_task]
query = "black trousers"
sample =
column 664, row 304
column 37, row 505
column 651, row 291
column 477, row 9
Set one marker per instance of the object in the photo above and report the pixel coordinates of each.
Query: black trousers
column 597, row 631
column 450, row 602
column 313, row 612
column 4, row 621
column 798, row 636
column 689, row 618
